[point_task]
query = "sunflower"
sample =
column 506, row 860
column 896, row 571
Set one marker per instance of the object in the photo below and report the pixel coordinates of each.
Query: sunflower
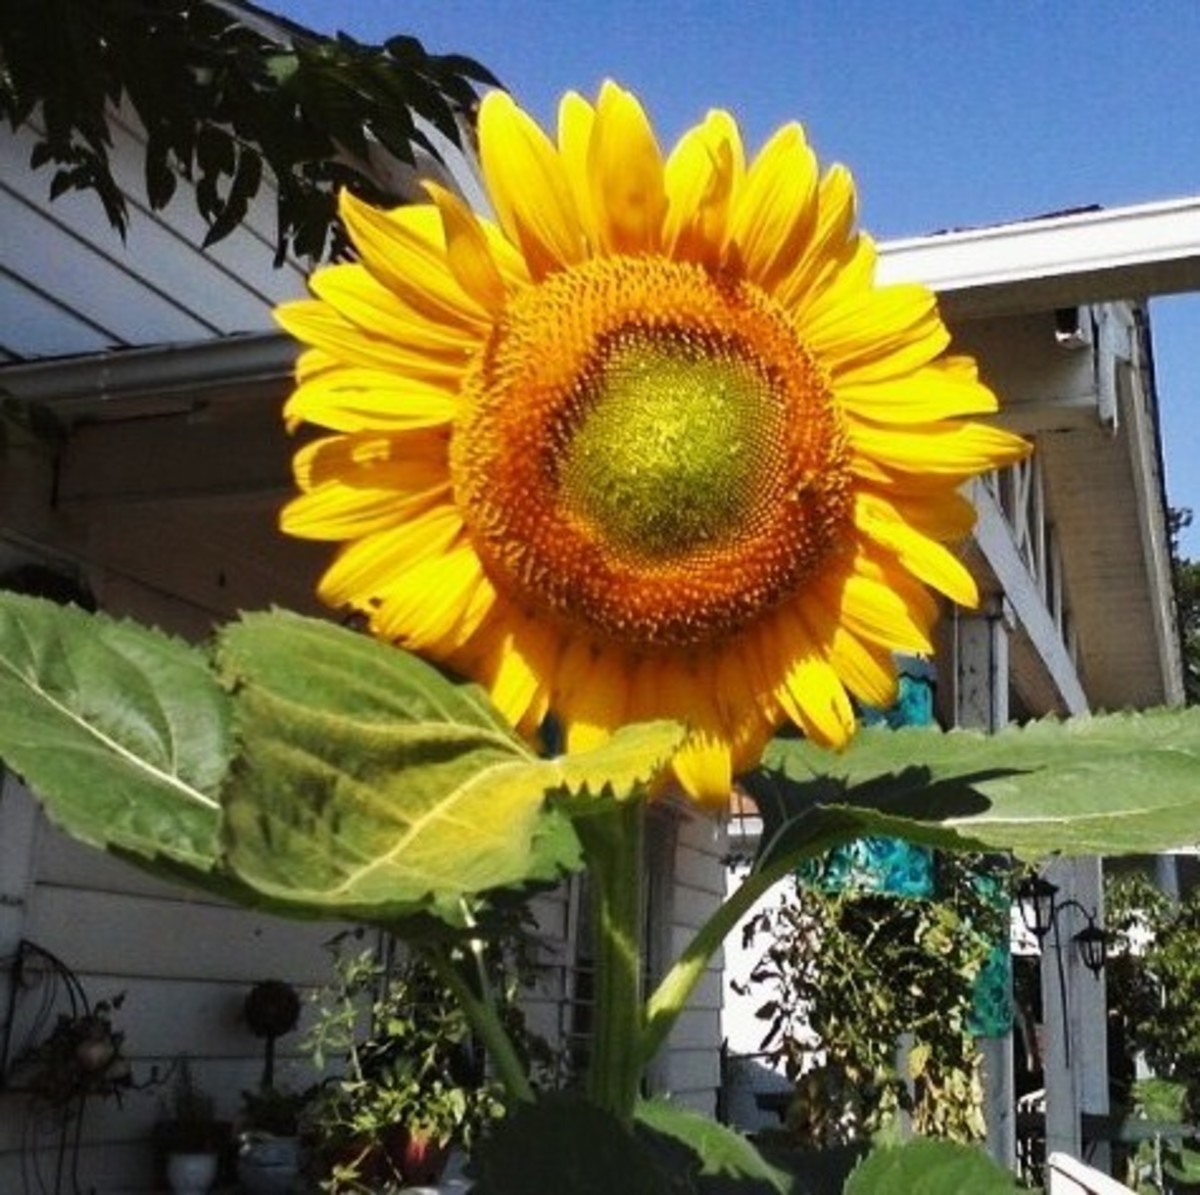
column 649, row 444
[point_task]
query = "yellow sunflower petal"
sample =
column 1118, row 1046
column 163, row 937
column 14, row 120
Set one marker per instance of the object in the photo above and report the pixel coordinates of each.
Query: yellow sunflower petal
column 867, row 671
column 832, row 246
column 811, row 695
column 405, row 249
column 704, row 767
column 943, row 390
column 515, row 668
column 319, row 325
column 882, row 332
column 576, row 120
column 336, row 512
column 888, row 608
column 685, row 690
column 528, row 185
column 347, row 494
column 744, row 700
column 353, row 293
column 923, row 557
column 366, row 566
column 926, row 504
column 701, row 178
column 349, row 399
column 593, row 696
column 468, row 252
column 626, row 168
column 422, row 607
column 950, row 450
column 775, row 210
column 403, row 462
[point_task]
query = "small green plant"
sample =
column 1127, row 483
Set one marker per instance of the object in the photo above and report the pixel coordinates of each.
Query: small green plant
column 190, row 1124
column 270, row 1110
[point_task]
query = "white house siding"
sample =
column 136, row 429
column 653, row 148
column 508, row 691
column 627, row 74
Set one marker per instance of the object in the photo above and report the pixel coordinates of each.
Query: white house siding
column 184, row 965
column 689, row 1070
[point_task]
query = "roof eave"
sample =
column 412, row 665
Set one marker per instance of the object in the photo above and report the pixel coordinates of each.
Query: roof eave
column 1136, row 251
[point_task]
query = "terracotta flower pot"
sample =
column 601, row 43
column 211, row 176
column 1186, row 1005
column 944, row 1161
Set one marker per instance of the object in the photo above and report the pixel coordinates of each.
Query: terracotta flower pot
column 419, row 1158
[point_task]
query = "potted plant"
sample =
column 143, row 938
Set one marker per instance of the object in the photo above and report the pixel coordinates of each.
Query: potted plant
column 269, row 1147
column 412, row 1087
column 269, row 1154
column 190, row 1139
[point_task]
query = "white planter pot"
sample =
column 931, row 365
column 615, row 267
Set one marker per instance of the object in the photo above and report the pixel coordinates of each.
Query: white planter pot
column 191, row 1174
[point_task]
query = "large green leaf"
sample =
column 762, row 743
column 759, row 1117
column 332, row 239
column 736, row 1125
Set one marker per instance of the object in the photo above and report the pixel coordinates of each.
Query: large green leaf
column 370, row 785
column 564, row 1144
column 1111, row 784
column 122, row 732
column 720, row 1150
column 926, row 1167
column 622, row 767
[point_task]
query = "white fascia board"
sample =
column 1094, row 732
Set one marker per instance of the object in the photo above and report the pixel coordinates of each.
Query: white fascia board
column 1083, row 257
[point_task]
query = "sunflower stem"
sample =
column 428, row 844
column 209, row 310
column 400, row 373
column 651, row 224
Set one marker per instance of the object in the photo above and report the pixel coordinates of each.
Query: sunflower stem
column 612, row 838
column 485, row 1020
column 670, row 997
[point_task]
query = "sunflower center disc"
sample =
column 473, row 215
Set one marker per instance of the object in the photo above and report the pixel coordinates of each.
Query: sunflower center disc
column 648, row 453
column 667, row 454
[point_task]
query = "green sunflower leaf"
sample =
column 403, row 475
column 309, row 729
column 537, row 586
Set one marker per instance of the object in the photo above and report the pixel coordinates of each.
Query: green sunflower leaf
column 561, row 1142
column 121, row 732
column 369, row 785
column 925, row 1167
column 718, row 1149
column 622, row 767
column 1110, row 784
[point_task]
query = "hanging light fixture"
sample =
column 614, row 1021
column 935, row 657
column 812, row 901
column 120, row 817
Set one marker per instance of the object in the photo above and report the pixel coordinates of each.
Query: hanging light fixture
column 1035, row 898
column 1092, row 944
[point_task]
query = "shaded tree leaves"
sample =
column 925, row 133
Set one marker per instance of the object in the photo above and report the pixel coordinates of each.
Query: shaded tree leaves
column 223, row 102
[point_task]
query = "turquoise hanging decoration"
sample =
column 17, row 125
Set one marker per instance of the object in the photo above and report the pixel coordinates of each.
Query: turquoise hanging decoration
column 991, row 1012
column 889, row 866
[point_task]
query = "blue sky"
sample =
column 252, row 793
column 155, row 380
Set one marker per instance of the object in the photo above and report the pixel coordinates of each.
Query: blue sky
column 950, row 113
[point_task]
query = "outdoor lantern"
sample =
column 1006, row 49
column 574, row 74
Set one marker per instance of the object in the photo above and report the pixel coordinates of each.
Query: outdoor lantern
column 1035, row 896
column 1092, row 943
